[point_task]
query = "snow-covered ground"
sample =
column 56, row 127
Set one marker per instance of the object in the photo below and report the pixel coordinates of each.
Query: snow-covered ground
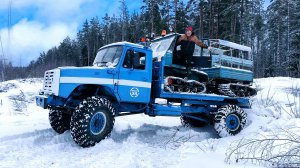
column 27, row 140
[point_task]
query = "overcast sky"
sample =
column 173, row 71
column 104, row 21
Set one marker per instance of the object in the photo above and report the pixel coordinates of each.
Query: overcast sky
column 38, row 25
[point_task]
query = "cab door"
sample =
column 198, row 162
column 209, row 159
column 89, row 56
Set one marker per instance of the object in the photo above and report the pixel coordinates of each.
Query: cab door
column 135, row 75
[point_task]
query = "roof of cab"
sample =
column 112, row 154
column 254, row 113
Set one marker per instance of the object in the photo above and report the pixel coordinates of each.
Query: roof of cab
column 124, row 43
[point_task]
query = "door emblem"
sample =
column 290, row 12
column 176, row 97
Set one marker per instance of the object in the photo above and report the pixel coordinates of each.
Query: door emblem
column 134, row 92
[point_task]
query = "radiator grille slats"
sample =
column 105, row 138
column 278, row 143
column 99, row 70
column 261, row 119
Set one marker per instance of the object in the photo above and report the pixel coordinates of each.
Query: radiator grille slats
column 51, row 81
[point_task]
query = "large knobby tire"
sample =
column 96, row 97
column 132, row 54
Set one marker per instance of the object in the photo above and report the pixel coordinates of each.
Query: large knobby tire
column 92, row 121
column 59, row 120
column 230, row 120
column 191, row 122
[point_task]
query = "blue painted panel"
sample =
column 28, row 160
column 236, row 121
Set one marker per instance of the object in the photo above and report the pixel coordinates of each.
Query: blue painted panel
column 66, row 89
column 85, row 72
column 229, row 73
column 170, row 110
column 193, row 96
column 71, row 77
column 134, row 85
column 164, row 110
column 207, row 99
column 241, row 102
column 219, row 59
column 168, row 58
column 134, row 94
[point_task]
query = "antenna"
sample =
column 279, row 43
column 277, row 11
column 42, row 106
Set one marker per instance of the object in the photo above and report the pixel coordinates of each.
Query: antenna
column 8, row 27
column 2, row 59
column 2, row 51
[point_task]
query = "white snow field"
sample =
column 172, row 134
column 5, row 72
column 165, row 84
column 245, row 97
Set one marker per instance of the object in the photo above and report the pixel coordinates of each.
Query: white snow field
column 27, row 140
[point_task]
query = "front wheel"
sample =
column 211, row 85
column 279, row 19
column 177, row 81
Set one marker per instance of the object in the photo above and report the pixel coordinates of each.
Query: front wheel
column 59, row 120
column 230, row 120
column 92, row 121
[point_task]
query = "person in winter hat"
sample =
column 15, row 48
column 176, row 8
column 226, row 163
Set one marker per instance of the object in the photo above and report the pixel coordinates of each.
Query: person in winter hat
column 189, row 35
column 187, row 43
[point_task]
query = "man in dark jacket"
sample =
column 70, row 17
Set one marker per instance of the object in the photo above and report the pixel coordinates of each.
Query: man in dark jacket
column 187, row 42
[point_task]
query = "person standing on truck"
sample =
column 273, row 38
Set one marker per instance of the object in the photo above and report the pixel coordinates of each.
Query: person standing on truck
column 187, row 42
column 189, row 35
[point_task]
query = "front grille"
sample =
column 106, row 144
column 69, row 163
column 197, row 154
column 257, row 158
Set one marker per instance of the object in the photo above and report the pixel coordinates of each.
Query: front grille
column 48, row 79
column 51, row 82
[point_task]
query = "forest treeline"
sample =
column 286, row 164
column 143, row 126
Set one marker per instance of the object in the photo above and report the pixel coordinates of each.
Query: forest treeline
column 272, row 33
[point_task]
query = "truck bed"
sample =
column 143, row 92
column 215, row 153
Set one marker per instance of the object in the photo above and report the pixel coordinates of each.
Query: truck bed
column 205, row 99
column 191, row 98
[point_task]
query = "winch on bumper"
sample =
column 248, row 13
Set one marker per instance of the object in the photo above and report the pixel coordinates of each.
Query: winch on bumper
column 41, row 101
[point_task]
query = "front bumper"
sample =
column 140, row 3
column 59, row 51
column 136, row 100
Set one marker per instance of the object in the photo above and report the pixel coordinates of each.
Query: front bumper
column 41, row 101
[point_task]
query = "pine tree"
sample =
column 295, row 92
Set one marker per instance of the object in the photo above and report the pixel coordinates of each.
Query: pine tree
column 124, row 18
column 106, row 32
column 166, row 15
column 135, row 28
column 294, row 46
column 181, row 18
column 277, row 36
column 95, row 39
column 83, row 40
column 151, row 17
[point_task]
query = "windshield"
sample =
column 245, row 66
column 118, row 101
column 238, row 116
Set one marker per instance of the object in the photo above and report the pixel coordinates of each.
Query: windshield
column 108, row 57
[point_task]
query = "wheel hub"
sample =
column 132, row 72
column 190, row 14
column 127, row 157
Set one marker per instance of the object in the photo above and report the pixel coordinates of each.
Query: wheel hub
column 97, row 123
column 232, row 122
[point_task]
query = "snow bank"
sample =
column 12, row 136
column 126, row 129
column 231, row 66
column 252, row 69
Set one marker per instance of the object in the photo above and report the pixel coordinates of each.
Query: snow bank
column 27, row 139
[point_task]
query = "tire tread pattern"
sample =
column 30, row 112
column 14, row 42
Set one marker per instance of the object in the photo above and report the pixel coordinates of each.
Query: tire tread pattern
column 80, row 126
column 59, row 121
column 220, row 120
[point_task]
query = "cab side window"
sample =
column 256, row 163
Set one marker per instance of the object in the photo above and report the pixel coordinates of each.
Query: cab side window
column 134, row 59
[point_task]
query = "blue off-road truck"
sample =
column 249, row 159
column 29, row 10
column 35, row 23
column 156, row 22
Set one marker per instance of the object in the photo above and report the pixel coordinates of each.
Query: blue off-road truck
column 129, row 78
